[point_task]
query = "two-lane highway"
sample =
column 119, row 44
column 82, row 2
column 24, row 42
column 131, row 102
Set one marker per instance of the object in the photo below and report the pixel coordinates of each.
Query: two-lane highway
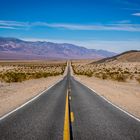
column 92, row 118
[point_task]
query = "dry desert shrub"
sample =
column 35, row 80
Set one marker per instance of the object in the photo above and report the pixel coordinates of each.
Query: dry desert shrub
column 22, row 72
column 120, row 72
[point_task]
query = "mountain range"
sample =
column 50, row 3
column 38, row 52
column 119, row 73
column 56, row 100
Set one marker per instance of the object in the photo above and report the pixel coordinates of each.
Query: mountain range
column 13, row 48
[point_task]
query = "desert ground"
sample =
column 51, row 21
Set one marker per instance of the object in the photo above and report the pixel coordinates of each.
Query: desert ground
column 117, row 81
column 22, row 80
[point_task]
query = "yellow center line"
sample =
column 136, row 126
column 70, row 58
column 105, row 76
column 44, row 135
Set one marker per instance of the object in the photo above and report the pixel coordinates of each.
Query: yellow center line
column 72, row 116
column 66, row 132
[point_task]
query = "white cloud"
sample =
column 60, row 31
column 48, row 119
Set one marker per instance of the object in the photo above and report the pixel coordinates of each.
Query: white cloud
column 117, row 27
column 122, row 26
column 124, row 21
column 7, row 27
column 136, row 14
column 14, row 24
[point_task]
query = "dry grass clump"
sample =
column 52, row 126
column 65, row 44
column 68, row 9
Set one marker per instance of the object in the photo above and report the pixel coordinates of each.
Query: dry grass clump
column 25, row 71
column 120, row 72
column 82, row 72
column 121, row 77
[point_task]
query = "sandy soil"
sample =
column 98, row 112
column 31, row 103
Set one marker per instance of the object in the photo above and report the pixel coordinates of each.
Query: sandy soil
column 14, row 94
column 124, row 94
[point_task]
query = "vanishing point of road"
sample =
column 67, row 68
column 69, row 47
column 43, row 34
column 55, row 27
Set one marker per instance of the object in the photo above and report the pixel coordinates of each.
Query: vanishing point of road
column 69, row 111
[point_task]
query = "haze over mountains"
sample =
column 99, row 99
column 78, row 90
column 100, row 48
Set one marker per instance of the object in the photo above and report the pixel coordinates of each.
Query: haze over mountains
column 12, row 48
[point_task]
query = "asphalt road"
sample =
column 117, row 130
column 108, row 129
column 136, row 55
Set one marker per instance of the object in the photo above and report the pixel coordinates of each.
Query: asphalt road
column 93, row 117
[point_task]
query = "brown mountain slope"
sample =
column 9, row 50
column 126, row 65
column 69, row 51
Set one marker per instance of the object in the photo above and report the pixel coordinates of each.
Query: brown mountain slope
column 129, row 56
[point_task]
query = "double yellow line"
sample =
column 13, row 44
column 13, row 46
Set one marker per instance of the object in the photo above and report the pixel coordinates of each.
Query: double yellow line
column 69, row 117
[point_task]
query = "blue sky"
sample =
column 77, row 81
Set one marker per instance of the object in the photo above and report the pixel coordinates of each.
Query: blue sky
column 101, row 24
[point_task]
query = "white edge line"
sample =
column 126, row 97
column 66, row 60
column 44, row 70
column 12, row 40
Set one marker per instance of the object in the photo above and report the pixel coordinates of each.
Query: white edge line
column 108, row 101
column 21, row 106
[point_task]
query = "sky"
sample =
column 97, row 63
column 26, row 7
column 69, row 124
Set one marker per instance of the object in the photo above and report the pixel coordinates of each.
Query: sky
column 112, row 25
